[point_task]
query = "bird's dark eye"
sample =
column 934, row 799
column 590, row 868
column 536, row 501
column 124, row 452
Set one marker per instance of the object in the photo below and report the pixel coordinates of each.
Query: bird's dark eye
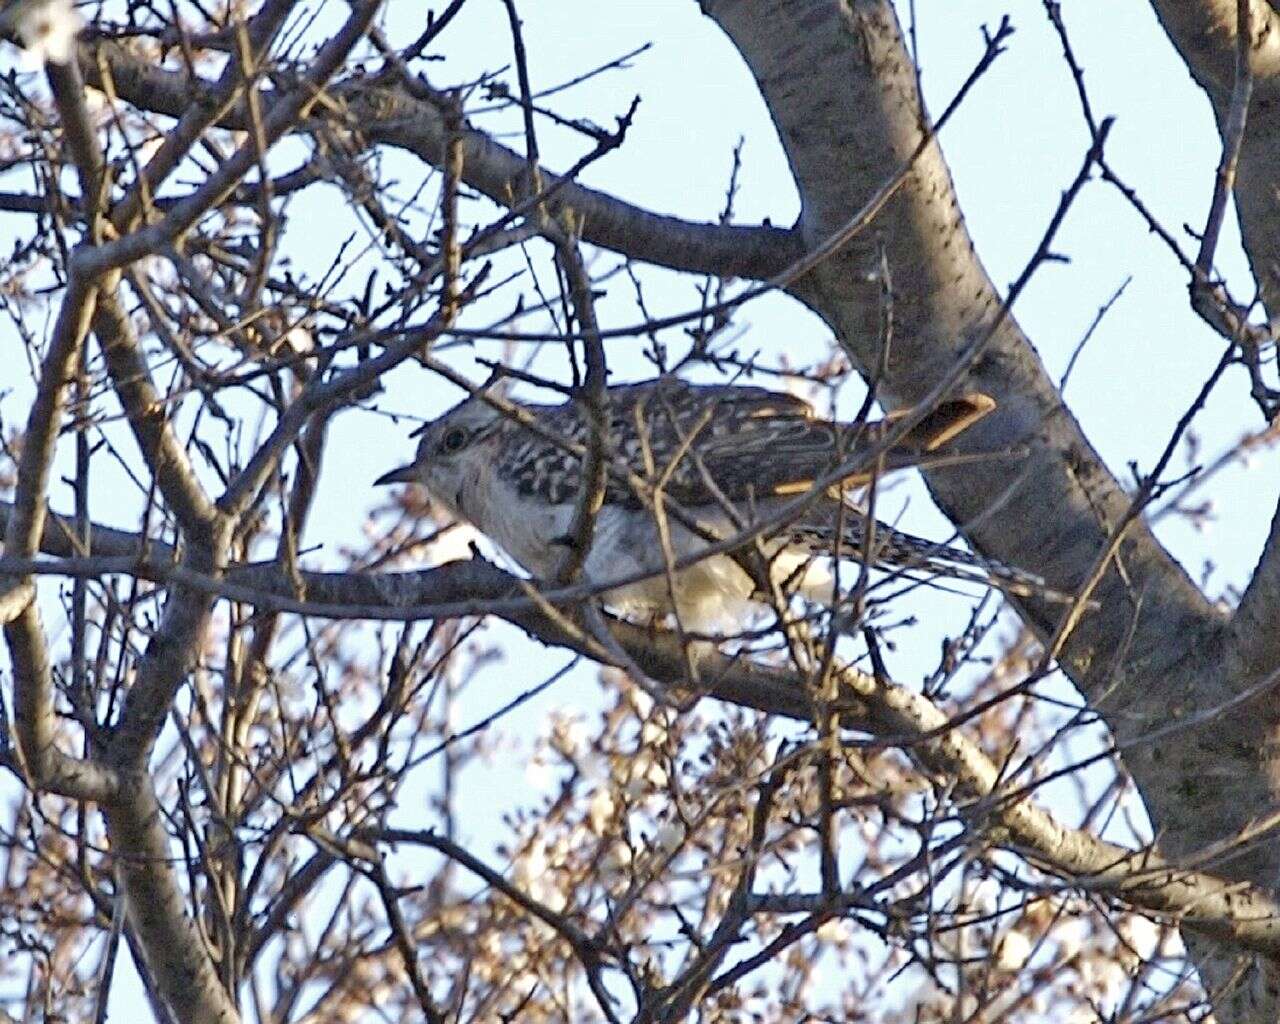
column 453, row 441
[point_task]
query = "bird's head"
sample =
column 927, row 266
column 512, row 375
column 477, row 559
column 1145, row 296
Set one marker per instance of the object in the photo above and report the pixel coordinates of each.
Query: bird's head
column 449, row 450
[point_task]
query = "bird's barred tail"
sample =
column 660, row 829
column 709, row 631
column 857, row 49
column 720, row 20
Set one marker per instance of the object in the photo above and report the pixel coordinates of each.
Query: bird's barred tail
column 916, row 555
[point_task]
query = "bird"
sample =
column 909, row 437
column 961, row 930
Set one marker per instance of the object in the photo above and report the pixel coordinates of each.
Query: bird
column 691, row 466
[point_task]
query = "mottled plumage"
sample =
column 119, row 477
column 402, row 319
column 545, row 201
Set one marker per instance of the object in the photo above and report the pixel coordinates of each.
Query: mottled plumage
column 722, row 455
column 752, row 443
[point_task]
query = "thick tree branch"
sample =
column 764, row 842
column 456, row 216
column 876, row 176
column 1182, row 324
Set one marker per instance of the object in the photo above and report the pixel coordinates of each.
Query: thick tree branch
column 207, row 109
column 148, row 417
column 501, row 174
column 35, row 721
column 179, row 962
column 1256, row 641
column 853, row 69
column 842, row 90
column 171, row 653
column 157, row 905
column 1212, row 906
column 1242, row 79
column 282, row 118
column 386, row 113
column 1204, row 33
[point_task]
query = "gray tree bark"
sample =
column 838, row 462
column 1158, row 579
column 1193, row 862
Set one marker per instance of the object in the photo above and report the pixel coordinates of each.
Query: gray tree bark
column 841, row 87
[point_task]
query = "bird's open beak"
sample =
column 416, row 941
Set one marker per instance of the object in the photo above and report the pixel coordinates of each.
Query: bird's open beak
column 404, row 475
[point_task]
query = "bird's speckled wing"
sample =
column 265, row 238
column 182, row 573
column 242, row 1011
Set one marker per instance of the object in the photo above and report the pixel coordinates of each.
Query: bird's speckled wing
column 746, row 443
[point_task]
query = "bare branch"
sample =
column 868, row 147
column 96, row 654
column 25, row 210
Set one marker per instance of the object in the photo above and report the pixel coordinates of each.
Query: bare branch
column 34, row 715
column 391, row 115
column 1219, row 908
column 148, row 418
column 281, row 117
column 180, row 964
